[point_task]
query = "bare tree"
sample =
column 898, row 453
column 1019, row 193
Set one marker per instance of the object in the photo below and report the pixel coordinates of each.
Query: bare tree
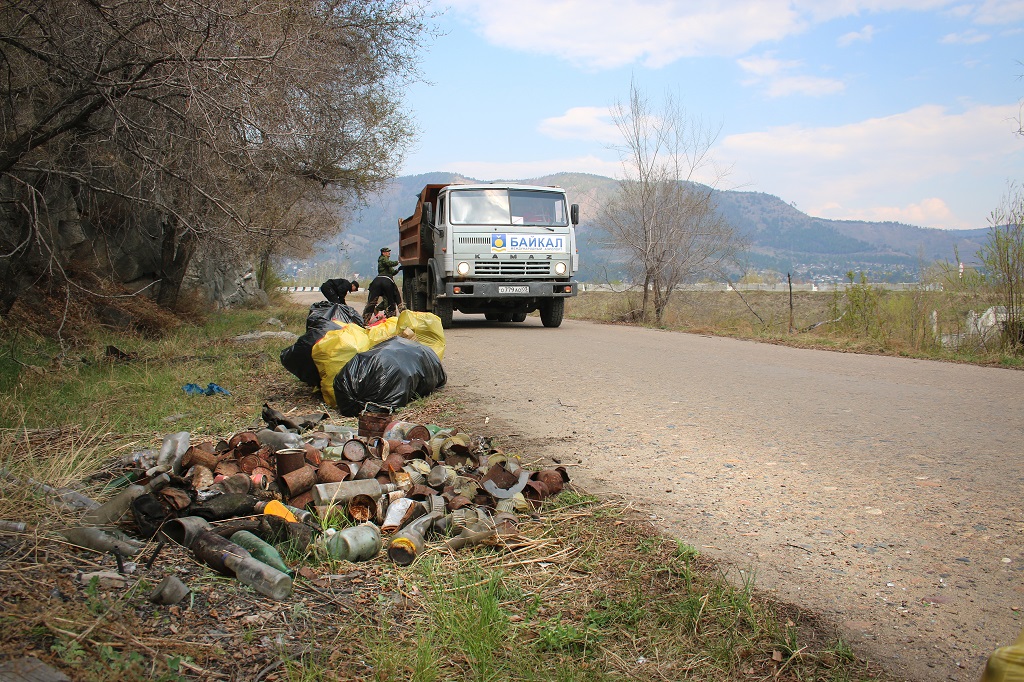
column 1003, row 256
column 179, row 117
column 665, row 223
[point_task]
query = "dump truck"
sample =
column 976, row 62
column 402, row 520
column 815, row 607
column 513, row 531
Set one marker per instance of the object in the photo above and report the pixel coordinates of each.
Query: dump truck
column 502, row 250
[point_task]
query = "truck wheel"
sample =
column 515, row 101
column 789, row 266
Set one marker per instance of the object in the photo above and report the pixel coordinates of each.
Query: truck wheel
column 408, row 291
column 519, row 317
column 551, row 312
column 443, row 309
column 504, row 317
column 491, row 317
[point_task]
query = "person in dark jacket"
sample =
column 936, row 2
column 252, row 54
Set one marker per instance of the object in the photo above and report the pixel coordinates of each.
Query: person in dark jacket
column 386, row 266
column 382, row 294
column 335, row 290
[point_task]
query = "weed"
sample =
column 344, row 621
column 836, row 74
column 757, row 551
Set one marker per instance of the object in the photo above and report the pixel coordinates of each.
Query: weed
column 686, row 553
column 554, row 635
column 571, row 498
column 68, row 650
column 648, row 545
column 94, row 600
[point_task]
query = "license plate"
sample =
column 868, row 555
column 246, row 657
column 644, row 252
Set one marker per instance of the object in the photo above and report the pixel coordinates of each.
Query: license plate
column 513, row 290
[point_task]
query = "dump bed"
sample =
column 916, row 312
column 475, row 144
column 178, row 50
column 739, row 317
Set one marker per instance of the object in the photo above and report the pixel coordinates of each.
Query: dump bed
column 415, row 240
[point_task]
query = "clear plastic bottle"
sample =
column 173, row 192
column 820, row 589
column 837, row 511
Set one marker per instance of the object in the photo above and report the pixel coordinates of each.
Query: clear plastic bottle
column 172, row 450
column 103, row 541
column 279, row 440
column 265, row 579
column 340, row 493
column 358, row 543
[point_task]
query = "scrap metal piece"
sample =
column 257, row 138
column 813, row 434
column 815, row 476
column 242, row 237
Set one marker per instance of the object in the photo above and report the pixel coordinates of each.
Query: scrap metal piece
column 506, row 493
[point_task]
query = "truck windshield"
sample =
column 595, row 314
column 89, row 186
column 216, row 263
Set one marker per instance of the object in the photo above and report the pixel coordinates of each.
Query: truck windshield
column 507, row 207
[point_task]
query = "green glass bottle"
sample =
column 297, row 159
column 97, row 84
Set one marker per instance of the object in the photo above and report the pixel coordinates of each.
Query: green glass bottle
column 261, row 550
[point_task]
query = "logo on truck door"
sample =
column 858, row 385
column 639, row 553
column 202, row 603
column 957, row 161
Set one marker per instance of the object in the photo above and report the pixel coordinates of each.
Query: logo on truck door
column 502, row 243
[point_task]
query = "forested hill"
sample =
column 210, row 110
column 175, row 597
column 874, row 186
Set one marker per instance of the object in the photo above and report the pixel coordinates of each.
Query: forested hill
column 780, row 238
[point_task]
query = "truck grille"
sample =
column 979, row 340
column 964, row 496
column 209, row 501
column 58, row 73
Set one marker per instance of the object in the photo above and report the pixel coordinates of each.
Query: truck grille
column 475, row 241
column 512, row 268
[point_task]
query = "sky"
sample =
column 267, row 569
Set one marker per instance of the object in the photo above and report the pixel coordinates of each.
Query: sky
column 901, row 110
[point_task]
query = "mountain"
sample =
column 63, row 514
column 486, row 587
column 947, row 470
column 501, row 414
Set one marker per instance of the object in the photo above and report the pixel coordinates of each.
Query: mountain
column 778, row 237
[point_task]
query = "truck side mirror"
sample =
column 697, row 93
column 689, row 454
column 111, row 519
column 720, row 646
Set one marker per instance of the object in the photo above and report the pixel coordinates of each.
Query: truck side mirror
column 574, row 213
column 428, row 213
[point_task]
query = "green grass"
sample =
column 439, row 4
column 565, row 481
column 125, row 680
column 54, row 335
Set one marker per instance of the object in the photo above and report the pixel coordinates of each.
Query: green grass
column 145, row 394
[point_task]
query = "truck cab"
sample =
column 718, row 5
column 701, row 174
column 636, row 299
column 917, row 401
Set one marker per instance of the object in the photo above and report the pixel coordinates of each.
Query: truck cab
column 501, row 250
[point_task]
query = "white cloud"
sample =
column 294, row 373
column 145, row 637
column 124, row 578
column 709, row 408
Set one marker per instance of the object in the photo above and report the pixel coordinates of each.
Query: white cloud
column 766, row 65
column 871, row 167
column 999, row 12
column 864, row 35
column 581, row 123
column 603, row 34
column 930, row 211
column 970, row 37
column 772, row 74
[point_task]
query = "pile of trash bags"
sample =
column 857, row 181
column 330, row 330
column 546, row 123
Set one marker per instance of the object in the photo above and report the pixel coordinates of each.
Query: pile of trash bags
column 388, row 364
column 389, row 485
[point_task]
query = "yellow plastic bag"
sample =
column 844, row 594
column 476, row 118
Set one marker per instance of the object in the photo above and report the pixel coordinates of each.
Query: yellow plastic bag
column 383, row 331
column 426, row 327
column 1006, row 664
column 332, row 352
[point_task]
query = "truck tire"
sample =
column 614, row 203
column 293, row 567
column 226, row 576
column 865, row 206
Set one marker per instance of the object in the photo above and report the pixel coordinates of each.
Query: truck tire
column 443, row 309
column 491, row 317
column 519, row 317
column 504, row 317
column 551, row 312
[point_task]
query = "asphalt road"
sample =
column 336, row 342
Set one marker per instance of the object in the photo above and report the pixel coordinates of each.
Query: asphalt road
column 882, row 493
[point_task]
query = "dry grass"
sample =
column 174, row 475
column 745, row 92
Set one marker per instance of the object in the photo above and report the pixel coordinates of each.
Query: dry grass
column 910, row 323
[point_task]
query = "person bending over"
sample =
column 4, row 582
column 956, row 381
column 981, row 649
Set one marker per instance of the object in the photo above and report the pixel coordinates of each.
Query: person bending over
column 382, row 294
column 335, row 290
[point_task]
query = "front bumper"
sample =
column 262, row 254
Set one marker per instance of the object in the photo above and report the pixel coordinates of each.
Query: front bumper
column 512, row 289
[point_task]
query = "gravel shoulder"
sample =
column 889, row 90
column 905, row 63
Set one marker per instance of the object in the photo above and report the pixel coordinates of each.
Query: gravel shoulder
column 883, row 494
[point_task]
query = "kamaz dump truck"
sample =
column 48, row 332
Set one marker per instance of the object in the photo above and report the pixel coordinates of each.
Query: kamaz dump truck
column 498, row 249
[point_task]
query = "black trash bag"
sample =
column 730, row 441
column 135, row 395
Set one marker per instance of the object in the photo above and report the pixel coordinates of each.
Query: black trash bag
column 391, row 374
column 338, row 312
column 323, row 317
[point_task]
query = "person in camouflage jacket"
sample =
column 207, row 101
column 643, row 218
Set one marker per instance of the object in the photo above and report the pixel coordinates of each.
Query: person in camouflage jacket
column 386, row 266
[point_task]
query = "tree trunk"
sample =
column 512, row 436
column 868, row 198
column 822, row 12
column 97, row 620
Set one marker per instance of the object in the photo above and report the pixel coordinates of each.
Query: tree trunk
column 176, row 253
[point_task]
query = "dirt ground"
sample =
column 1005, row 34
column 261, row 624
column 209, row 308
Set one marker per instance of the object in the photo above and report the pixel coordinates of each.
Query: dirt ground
column 882, row 494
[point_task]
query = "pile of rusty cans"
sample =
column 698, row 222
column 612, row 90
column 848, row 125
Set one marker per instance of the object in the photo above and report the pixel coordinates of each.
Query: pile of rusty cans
column 390, row 485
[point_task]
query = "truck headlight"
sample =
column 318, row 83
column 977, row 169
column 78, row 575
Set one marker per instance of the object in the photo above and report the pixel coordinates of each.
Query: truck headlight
column 463, row 268
column 559, row 268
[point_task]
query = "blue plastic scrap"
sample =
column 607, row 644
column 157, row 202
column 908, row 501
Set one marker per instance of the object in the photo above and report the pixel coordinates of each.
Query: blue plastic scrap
column 211, row 389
